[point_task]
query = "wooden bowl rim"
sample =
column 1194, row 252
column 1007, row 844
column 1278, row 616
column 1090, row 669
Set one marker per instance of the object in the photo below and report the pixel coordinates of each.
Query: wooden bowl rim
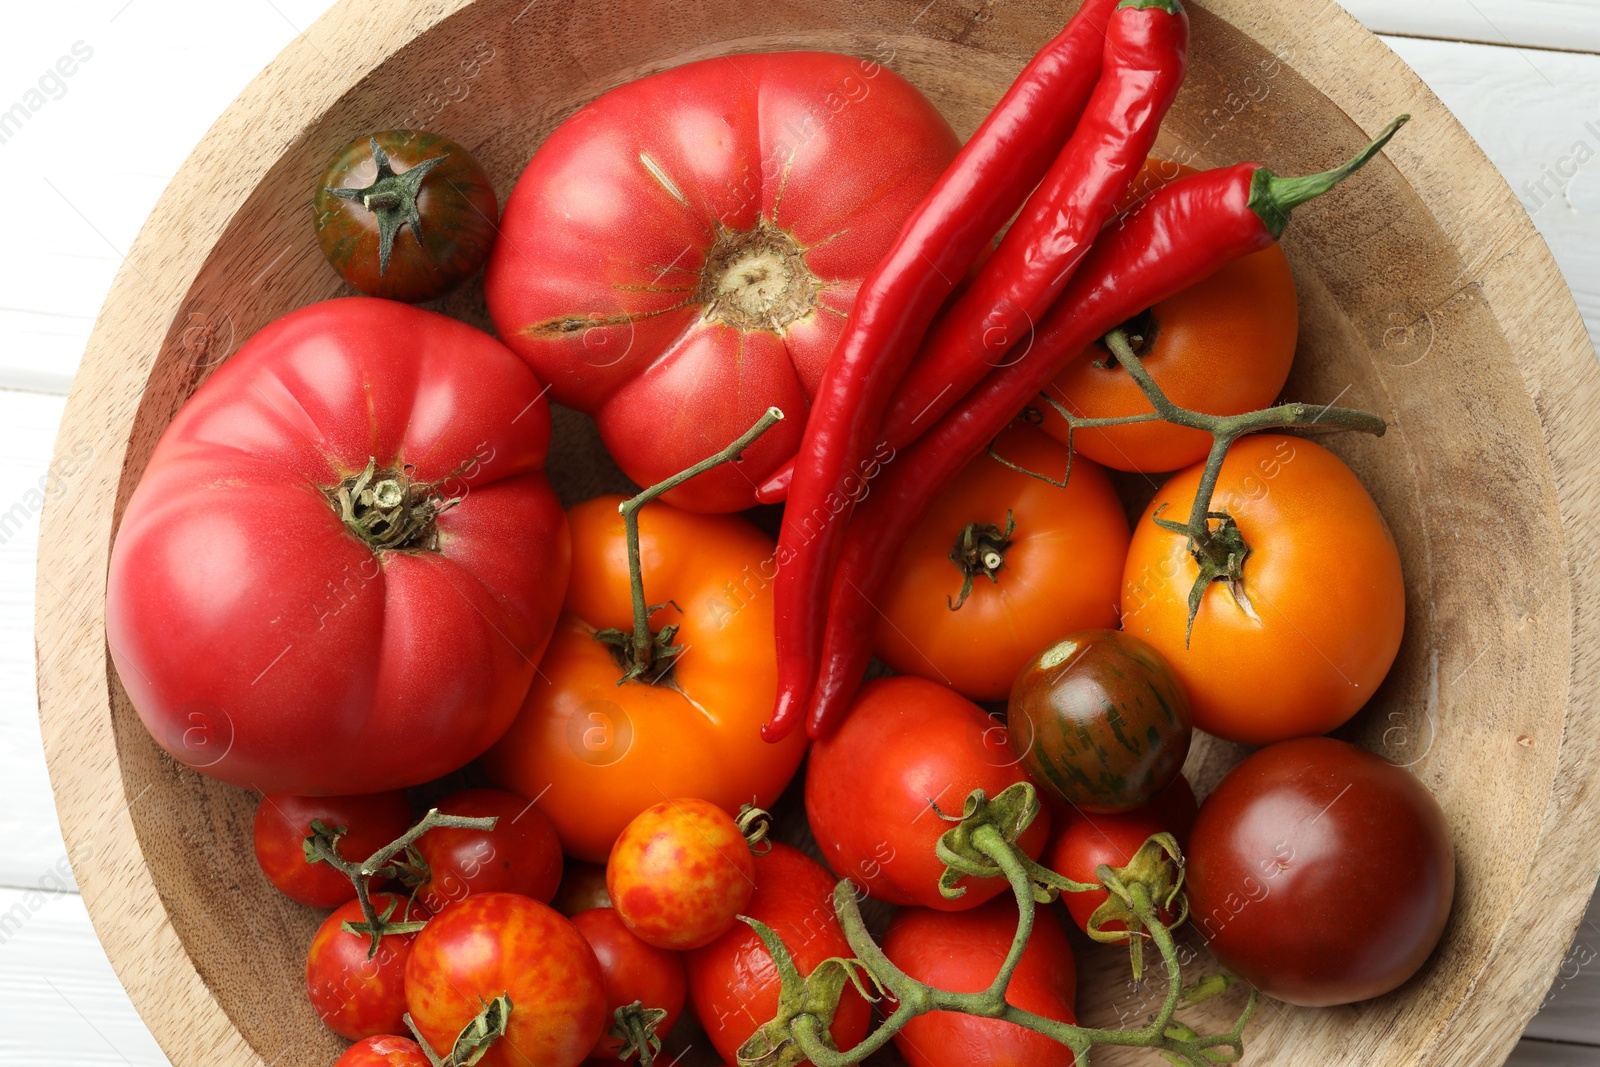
column 1358, row 73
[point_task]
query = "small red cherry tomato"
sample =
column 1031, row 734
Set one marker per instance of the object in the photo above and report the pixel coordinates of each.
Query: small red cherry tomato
column 872, row 786
column 503, row 944
column 384, row 1051
column 634, row 972
column 520, row 855
column 1320, row 873
column 583, row 886
column 355, row 996
column 962, row 952
column 283, row 822
column 733, row 982
column 680, row 874
column 1083, row 841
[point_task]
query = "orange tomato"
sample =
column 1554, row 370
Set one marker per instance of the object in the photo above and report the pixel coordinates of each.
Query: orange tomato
column 596, row 754
column 1060, row 569
column 1326, row 599
column 680, row 874
column 1223, row 346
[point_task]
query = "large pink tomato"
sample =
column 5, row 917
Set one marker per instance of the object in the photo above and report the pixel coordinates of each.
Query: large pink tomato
column 681, row 254
column 343, row 560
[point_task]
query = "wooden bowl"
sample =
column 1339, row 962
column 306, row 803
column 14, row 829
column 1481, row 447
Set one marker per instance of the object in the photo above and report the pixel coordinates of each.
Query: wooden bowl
column 1426, row 295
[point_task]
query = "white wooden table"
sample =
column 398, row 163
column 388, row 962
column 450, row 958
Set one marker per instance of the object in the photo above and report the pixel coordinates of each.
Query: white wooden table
column 112, row 95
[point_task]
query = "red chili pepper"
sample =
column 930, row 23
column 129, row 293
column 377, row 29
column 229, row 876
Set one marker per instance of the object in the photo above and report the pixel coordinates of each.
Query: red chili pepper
column 989, row 178
column 1176, row 237
column 1146, row 54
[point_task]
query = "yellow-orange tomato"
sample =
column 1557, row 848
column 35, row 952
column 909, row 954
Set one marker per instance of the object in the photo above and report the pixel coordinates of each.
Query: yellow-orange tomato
column 1326, row 600
column 1223, row 346
column 680, row 874
column 596, row 754
column 1058, row 571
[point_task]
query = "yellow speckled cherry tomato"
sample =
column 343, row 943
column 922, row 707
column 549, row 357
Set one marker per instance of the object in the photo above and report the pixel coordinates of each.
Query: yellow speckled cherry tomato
column 680, row 874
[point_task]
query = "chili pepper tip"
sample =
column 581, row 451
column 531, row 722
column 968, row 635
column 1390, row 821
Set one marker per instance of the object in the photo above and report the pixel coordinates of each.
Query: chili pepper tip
column 1273, row 197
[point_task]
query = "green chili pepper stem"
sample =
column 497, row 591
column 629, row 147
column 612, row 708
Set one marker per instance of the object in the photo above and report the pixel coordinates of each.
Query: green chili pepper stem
column 1273, row 197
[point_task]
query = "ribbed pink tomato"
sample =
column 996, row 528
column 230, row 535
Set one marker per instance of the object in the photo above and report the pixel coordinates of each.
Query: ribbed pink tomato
column 681, row 254
column 343, row 560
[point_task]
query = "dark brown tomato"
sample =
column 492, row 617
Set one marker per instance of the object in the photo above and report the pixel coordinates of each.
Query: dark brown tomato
column 365, row 201
column 962, row 952
column 1320, row 873
column 520, row 855
column 1100, row 719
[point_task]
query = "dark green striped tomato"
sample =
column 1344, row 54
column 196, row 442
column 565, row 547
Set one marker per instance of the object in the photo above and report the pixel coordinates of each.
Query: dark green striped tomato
column 1099, row 719
column 405, row 214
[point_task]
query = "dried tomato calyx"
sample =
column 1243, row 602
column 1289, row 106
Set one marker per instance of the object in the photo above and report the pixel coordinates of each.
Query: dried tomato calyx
column 635, row 1027
column 388, row 509
column 1220, row 555
column 757, row 279
column 980, row 549
column 392, row 198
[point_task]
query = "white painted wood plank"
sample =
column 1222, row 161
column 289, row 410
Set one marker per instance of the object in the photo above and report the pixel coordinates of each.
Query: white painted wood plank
column 1537, row 117
column 60, row 1003
column 1571, row 1012
column 1570, row 25
column 108, row 140
column 27, row 818
column 88, row 152
column 1530, row 1053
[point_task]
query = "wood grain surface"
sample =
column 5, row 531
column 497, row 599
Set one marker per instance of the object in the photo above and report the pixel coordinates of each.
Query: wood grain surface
column 1506, row 263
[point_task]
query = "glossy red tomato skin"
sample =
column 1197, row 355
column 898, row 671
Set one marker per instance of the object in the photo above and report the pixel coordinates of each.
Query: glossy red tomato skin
column 386, row 1050
column 494, row 944
column 283, row 822
column 265, row 644
column 634, row 971
column 733, row 983
column 907, row 745
column 962, row 952
column 825, row 154
column 1321, row 873
column 520, row 855
column 355, row 996
column 680, row 874
column 1082, row 842
column 1100, row 719
column 456, row 203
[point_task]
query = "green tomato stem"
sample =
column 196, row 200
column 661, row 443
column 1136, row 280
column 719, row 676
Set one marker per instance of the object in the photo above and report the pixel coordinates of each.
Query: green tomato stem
column 809, row 1035
column 643, row 648
column 323, row 847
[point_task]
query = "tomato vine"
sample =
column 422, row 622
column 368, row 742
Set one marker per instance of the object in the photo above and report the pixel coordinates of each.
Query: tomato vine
column 1214, row 539
column 982, row 843
column 642, row 650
